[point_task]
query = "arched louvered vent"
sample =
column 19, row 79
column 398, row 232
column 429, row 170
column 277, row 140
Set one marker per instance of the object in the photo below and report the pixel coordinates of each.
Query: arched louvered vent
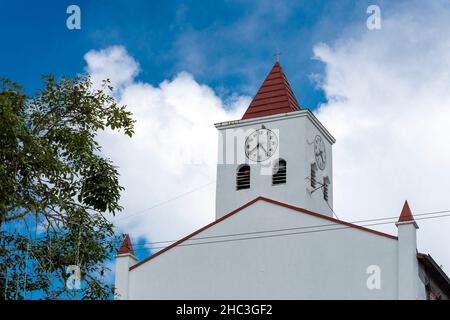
column 325, row 189
column 279, row 172
column 243, row 177
column 312, row 179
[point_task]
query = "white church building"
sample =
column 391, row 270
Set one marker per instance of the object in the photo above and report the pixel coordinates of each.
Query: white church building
column 275, row 236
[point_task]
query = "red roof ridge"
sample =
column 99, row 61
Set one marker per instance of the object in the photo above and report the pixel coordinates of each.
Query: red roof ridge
column 318, row 215
column 126, row 246
column 273, row 97
column 406, row 214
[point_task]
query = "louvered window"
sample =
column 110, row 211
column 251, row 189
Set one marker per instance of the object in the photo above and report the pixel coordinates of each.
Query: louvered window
column 279, row 172
column 243, row 177
column 313, row 176
column 325, row 189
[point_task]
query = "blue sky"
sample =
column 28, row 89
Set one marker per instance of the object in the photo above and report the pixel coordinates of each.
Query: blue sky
column 228, row 45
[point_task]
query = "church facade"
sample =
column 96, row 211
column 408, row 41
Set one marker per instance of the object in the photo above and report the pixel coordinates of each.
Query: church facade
column 275, row 236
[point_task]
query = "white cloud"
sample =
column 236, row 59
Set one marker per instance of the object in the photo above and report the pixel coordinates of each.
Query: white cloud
column 173, row 150
column 389, row 110
column 112, row 63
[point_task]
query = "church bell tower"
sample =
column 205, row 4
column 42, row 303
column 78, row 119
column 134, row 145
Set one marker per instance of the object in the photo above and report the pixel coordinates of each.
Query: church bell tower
column 277, row 150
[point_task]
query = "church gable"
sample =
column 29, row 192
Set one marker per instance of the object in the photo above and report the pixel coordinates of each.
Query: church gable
column 266, row 244
column 270, row 222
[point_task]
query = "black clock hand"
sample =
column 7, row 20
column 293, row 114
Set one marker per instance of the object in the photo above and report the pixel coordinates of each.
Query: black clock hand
column 253, row 148
column 257, row 144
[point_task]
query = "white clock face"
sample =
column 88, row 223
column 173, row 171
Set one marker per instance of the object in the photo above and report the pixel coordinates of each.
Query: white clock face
column 261, row 144
column 319, row 152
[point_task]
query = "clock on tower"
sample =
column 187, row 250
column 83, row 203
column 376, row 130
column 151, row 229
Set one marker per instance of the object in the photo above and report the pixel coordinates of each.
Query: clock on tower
column 261, row 144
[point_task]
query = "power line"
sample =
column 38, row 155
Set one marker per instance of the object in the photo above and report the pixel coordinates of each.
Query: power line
column 166, row 201
column 273, row 236
column 322, row 185
column 257, row 232
column 332, row 210
column 285, row 229
column 294, row 228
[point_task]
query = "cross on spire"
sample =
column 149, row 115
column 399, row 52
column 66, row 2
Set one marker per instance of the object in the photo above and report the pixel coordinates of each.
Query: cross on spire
column 277, row 55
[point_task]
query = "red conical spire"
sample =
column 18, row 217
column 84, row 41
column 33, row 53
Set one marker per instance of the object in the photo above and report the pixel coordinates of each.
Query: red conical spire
column 274, row 96
column 126, row 246
column 406, row 214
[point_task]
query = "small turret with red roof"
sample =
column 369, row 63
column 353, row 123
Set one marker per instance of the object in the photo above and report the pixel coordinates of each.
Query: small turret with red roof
column 126, row 246
column 406, row 215
column 408, row 266
column 125, row 258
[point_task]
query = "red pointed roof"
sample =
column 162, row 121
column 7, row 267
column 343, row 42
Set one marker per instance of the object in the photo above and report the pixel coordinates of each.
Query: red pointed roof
column 406, row 214
column 126, row 246
column 274, row 96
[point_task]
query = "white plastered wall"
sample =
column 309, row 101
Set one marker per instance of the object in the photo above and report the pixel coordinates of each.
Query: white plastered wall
column 313, row 265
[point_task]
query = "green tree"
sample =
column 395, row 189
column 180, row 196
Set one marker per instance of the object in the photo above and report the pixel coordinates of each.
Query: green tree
column 56, row 188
